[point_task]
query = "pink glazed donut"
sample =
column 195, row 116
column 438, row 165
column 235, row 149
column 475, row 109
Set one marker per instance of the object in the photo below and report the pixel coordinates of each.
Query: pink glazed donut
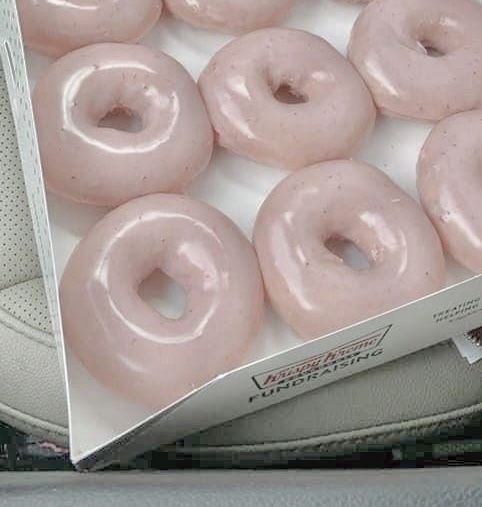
column 394, row 45
column 312, row 288
column 125, row 343
column 56, row 27
column 88, row 163
column 230, row 16
column 450, row 183
column 241, row 87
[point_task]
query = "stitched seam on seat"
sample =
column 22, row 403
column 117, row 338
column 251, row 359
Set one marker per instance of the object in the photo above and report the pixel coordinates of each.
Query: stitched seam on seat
column 428, row 428
column 37, row 335
column 23, row 418
column 336, row 447
column 350, row 446
column 412, row 427
column 21, row 282
column 13, row 316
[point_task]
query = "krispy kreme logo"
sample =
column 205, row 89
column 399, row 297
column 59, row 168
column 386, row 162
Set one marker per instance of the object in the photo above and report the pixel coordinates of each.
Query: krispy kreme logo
column 319, row 362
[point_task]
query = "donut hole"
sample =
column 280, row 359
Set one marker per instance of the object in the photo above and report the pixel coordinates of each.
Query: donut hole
column 122, row 119
column 348, row 252
column 286, row 94
column 431, row 49
column 436, row 40
column 164, row 295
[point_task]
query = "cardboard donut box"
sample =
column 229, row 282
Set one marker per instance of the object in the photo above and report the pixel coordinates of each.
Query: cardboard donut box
column 105, row 429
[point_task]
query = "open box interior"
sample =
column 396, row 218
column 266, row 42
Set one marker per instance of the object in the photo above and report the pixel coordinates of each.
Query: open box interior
column 237, row 187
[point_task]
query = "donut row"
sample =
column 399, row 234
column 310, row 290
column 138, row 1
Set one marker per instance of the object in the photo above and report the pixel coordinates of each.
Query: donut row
column 89, row 163
column 280, row 97
column 125, row 343
column 55, row 28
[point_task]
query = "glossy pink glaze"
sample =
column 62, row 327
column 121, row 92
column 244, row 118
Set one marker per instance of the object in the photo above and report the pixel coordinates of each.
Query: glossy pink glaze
column 450, row 183
column 105, row 166
column 56, row 27
column 230, row 16
column 314, row 290
column 388, row 46
column 239, row 86
column 124, row 342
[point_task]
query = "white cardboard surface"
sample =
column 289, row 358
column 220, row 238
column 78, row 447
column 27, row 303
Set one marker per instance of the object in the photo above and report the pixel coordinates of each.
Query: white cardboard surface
column 105, row 428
